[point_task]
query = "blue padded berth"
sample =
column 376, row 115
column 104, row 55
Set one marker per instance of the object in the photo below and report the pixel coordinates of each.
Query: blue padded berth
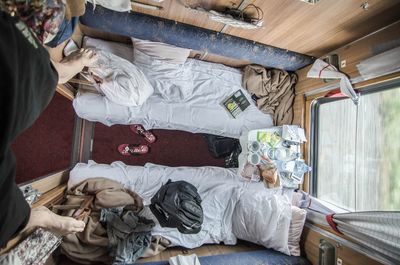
column 258, row 257
column 153, row 28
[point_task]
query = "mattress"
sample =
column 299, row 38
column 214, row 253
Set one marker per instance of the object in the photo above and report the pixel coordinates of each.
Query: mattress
column 188, row 99
column 219, row 188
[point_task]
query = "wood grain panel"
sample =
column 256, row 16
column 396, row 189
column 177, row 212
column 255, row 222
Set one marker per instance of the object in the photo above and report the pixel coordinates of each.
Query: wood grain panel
column 353, row 53
column 224, row 60
column 205, row 250
column 321, row 28
column 298, row 108
column 310, row 248
column 49, row 182
column 66, row 90
column 178, row 10
column 292, row 24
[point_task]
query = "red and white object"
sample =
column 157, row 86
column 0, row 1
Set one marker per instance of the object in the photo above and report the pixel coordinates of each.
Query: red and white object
column 321, row 69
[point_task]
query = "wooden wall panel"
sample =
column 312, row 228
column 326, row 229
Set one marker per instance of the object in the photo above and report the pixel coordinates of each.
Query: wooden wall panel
column 177, row 10
column 310, row 248
column 321, row 28
column 292, row 24
column 205, row 250
column 352, row 53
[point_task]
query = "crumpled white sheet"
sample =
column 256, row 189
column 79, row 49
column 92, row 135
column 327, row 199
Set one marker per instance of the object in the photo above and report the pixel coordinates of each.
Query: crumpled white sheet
column 220, row 190
column 321, row 69
column 186, row 97
column 123, row 82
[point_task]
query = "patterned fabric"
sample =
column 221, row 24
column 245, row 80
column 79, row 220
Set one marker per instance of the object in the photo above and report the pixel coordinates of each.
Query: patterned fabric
column 34, row 250
column 43, row 17
column 31, row 195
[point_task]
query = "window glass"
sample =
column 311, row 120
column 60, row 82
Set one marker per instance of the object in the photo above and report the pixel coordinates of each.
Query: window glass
column 336, row 153
column 358, row 152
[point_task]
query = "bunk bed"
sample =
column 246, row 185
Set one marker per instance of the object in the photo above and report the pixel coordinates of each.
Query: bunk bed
column 186, row 97
column 233, row 209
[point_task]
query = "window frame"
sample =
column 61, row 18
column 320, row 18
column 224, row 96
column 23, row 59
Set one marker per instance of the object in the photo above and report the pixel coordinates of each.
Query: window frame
column 314, row 126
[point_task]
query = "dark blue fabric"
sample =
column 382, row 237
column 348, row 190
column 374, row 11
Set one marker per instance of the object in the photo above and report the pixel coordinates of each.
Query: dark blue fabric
column 259, row 257
column 153, row 28
column 65, row 32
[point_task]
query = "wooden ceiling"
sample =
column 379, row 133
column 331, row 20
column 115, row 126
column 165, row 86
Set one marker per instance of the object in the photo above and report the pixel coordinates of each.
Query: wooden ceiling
column 292, row 24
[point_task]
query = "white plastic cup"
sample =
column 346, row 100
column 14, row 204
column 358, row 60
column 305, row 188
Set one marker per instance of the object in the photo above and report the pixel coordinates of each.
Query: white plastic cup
column 254, row 159
column 254, row 146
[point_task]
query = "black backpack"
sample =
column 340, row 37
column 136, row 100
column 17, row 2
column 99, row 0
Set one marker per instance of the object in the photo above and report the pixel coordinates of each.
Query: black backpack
column 178, row 205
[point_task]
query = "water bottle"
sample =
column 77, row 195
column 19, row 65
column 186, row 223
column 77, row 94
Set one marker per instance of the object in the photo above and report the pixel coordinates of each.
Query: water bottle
column 281, row 153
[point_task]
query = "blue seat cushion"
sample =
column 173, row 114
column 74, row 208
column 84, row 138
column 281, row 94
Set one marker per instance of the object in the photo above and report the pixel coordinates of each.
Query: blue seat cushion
column 258, row 257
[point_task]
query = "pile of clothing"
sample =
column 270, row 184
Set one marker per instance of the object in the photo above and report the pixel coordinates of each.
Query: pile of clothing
column 118, row 225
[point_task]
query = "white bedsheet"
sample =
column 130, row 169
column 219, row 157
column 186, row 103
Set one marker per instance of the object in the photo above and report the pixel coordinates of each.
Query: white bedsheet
column 219, row 188
column 201, row 87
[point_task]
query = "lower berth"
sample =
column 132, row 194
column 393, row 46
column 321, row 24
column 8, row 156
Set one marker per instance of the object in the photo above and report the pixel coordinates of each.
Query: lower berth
column 255, row 257
column 233, row 209
column 186, row 97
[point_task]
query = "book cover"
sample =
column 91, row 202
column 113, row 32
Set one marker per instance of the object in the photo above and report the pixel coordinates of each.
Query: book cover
column 236, row 103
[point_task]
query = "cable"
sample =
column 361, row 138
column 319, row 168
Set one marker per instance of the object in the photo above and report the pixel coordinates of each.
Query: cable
column 260, row 12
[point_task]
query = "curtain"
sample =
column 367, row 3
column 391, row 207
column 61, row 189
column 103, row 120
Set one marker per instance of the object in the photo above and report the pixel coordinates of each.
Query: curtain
column 377, row 230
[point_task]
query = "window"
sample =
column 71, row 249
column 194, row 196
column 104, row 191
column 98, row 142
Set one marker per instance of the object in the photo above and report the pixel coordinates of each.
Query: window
column 356, row 150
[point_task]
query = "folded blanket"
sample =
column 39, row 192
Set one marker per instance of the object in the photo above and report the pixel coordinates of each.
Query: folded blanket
column 274, row 90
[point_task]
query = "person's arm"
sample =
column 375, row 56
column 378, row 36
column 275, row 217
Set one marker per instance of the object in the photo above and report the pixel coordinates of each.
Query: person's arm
column 73, row 64
column 15, row 211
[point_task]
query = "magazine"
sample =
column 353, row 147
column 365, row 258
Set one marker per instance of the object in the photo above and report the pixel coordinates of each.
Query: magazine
column 236, row 103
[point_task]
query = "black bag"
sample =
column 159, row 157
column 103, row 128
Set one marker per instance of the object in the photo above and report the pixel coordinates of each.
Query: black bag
column 220, row 146
column 178, row 205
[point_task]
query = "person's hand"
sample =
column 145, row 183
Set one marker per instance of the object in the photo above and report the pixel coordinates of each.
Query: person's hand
column 74, row 63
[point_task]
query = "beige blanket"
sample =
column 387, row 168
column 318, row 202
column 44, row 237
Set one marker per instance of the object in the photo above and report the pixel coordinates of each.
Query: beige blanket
column 274, row 89
column 90, row 246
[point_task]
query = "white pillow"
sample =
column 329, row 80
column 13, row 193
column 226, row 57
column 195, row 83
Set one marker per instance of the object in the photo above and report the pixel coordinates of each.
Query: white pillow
column 162, row 51
column 262, row 216
column 123, row 82
column 295, row 230
column 173, row 82
column 122, row 50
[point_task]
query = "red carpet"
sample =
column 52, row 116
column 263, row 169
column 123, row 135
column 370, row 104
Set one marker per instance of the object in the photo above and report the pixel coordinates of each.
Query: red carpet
column 46, row 146
column 172, row 148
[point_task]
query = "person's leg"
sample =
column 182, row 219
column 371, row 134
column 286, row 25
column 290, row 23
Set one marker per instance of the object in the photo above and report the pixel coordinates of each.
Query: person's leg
column 74, row 63
column 61, row 225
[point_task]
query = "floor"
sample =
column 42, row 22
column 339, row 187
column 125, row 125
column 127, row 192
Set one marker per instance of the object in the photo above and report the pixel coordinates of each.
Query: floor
column 205, row 250
column 46, row 146
column 172, row 148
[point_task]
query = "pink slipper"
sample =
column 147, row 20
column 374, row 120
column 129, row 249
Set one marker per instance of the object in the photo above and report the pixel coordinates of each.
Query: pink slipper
column 133, row 149
column 138, row 129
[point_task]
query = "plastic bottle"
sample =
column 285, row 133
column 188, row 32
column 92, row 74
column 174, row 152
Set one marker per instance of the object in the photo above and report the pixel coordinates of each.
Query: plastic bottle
column 282, row 153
